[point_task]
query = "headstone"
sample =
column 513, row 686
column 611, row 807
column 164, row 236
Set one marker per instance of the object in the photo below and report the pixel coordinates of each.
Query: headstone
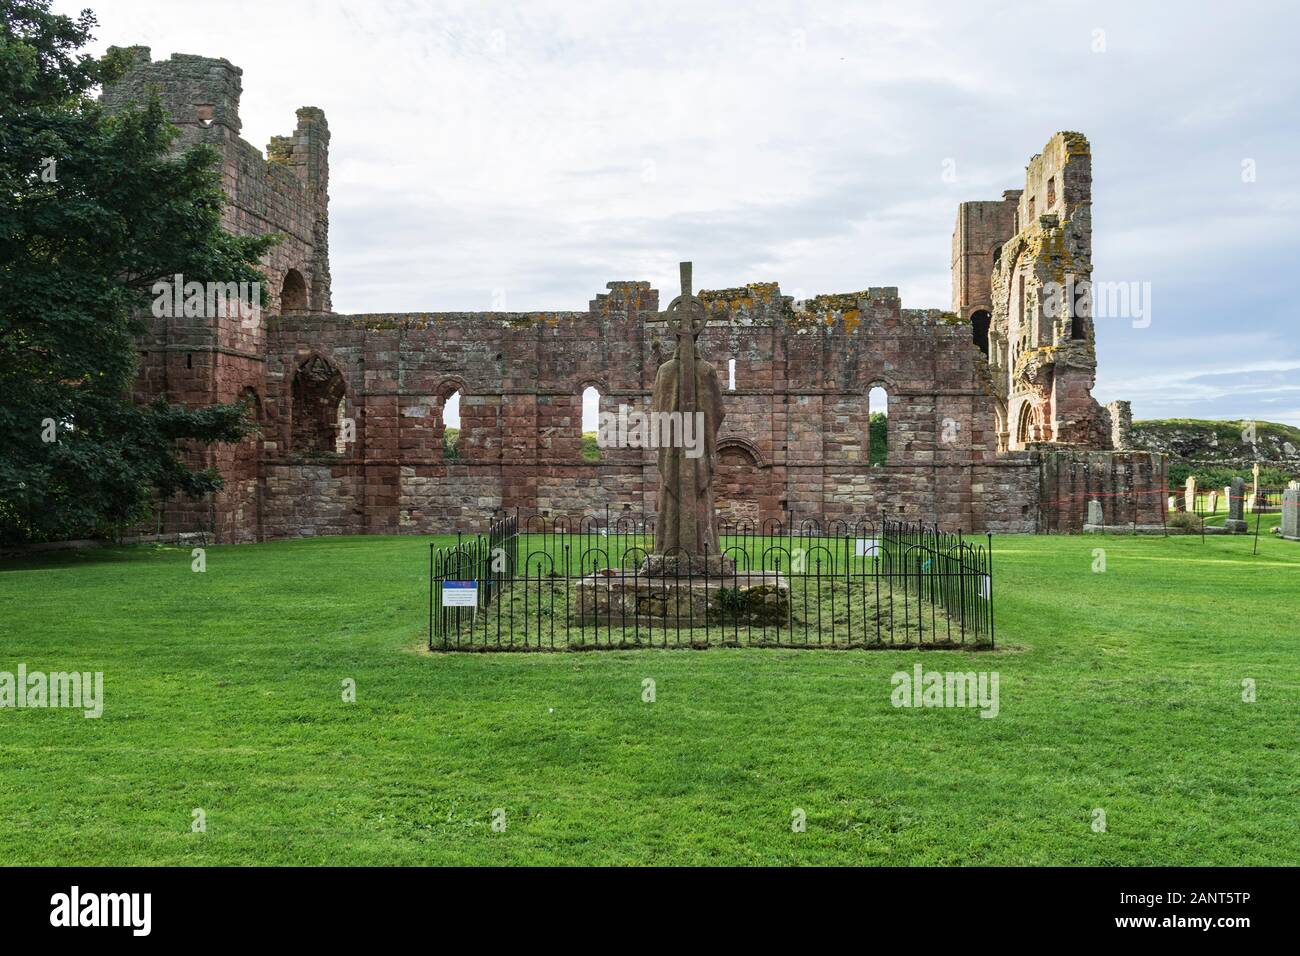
column 1291, row 514
column 1094, row 513
column 1213, row 502
column 1252, row 503
column 1173, row 502
column 1236, row 520
column 1189, row 496
column 1254, row 488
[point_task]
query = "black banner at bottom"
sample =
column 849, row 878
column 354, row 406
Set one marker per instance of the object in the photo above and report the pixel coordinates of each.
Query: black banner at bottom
column 335, row 905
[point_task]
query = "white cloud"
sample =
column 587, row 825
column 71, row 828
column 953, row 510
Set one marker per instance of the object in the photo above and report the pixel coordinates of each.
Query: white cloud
column 547, row 148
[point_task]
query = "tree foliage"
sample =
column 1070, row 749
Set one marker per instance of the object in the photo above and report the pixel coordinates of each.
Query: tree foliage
column 94, row 209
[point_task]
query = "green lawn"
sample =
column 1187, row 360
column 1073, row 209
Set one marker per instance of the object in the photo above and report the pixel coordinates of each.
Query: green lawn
column 1119, row 690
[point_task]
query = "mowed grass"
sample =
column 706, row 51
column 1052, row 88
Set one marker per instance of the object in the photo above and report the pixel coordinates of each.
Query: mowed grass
column 1119, row 691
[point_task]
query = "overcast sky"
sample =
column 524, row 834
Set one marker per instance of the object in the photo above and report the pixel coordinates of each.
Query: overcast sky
column 489, row 155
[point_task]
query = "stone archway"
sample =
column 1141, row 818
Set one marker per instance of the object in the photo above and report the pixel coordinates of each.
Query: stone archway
column 318, row 391
column 293, row 293
column 740, row 483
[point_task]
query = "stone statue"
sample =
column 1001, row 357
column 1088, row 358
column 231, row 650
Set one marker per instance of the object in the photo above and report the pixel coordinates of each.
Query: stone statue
column 686, row 407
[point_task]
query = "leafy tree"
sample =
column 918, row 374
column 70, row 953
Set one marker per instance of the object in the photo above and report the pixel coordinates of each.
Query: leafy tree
column 94, row 209
column 878, row 434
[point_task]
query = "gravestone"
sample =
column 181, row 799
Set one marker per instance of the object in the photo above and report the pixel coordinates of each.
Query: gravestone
column 1291, row 514
column 1236, row 520
column 1189, row 495
column 1254, row 483
column 1173, row 502
column 1213, row 502
column 1094, row 514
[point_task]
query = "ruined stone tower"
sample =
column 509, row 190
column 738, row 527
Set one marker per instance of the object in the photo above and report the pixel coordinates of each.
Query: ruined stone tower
column 1022, row 267
column 221, row 358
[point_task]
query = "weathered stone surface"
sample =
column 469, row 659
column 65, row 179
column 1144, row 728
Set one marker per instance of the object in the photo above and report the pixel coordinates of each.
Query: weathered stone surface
column 1022, row 268
column 756, row 597
column 350, row 406
column 686, row 387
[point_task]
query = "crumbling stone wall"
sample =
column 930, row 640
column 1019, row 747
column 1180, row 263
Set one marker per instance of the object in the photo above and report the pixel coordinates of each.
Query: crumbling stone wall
column 795, row 437
column 351, row 407
column 1042, row 342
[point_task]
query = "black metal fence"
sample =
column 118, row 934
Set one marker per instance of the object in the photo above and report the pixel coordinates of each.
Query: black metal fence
column 541, row 583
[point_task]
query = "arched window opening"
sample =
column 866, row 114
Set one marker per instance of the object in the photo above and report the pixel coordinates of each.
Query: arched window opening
column 293, row 294
column 979, row 330
column 318, row 391
column 1031, row 210
column 1051, row 191
column 731, row 375
column 591, row 423
column 878, row 425
column 451, row 427
column 1025, row 425
column 740, row 484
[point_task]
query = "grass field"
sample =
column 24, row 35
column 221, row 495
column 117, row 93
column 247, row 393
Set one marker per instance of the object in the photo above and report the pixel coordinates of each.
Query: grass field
column 1119, row 691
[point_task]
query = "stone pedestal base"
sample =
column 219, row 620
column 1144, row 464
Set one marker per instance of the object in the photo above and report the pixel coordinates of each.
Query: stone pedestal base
column 675, row 565
column 759, row 598
column 1118, row 529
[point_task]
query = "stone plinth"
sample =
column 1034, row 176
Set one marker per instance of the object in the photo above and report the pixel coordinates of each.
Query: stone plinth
column 758, row 598
column 681, row 565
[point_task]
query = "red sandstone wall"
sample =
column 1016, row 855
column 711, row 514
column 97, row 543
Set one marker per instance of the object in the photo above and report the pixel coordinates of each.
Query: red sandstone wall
column 795, row 436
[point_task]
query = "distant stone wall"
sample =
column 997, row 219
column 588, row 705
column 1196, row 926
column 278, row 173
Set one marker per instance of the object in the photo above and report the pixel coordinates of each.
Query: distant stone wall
column 1130, row 486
